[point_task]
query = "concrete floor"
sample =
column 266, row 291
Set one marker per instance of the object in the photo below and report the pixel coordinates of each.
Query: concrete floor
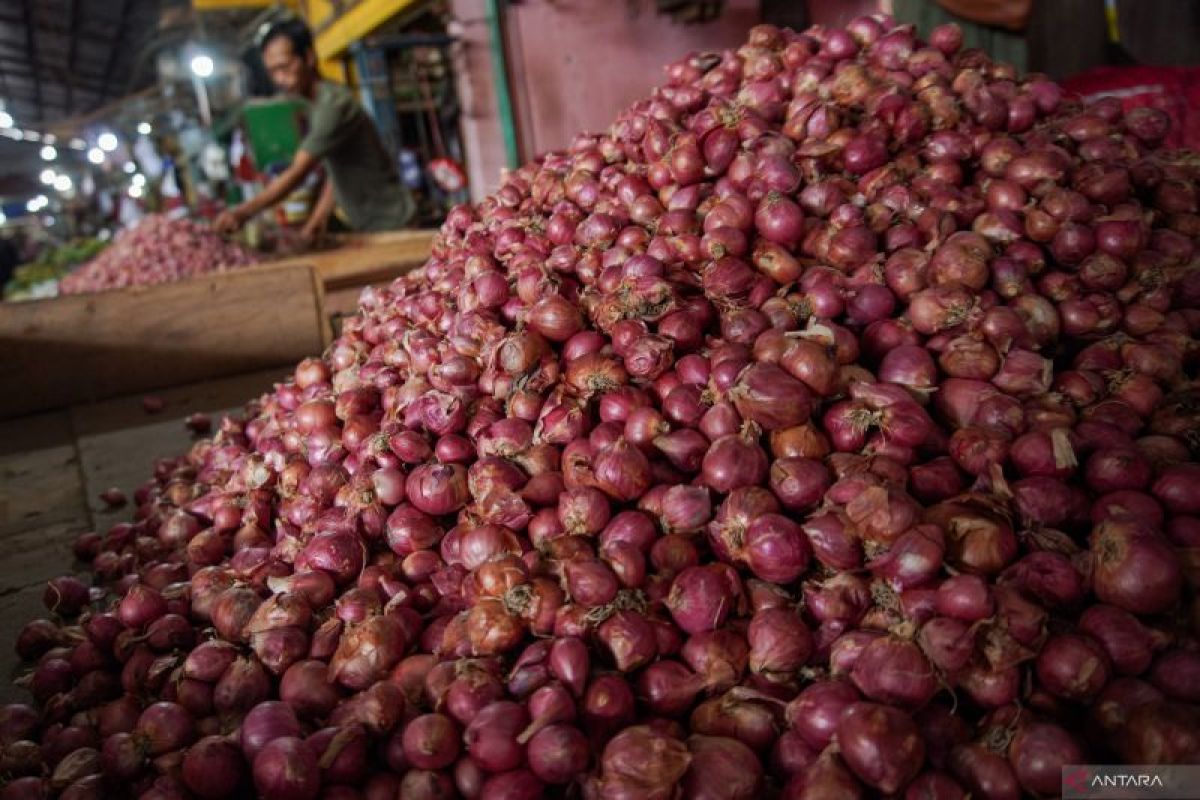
column 53, row 467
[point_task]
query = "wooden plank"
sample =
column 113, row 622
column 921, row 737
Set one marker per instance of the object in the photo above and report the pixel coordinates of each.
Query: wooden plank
column 78, row 349
column 421, row 237
column 118, row 441
column 364, row 259
column 342, row 302
column 40, row 480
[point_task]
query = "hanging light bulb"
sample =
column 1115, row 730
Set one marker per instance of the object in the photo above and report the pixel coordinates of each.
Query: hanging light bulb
column 202, row 65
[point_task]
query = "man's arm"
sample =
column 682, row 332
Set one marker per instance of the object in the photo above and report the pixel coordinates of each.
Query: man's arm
column 276, row 190
column 1010, row 14
column 314, row 227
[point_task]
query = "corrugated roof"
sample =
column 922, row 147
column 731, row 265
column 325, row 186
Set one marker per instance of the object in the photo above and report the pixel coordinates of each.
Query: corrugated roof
column 60, row 58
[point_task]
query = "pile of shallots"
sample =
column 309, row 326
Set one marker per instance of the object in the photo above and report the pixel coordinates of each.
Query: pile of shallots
column 826, row 428
column 158, row 249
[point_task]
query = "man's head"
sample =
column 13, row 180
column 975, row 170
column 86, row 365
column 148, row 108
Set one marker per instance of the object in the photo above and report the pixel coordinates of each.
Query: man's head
column 287, row 53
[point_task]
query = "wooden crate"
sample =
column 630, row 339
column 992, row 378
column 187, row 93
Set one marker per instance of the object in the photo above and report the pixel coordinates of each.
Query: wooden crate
column 362, row 259
column 78, row 349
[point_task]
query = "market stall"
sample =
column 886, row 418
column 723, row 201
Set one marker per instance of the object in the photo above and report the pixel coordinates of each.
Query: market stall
column 823, row 422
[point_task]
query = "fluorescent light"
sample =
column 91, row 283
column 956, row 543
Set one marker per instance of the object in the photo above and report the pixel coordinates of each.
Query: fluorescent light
column 33, row 136
column 49, row 138
column 49, row 153
column 135, row 191
column 202, row 65
column 78, row 144
column 16, row 134
column 130, row 167
column 3, row 218
column 6, row 120
column 63, row 183
column 139, row 180
column 47, row 176
column 35, row 204
column 144, row 128
column 107, row 141
column 95, row 155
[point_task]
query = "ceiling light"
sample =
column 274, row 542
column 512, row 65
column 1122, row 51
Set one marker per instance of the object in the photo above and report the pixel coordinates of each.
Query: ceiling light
column 130, row 167
column 95, row 155
column 49, row 153
column 135, row 191
column 139, row 180
column 107, row 141
column 47, row 176
column 50, row 220
column 78, row 144
column 6, row 120
column 33, row 136
column 3, row 218
column 49, row 138
column 202, row 65
column 144, row 128
column 63, row 183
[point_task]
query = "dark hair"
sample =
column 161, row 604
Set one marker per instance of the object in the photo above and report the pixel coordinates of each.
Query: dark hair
column 291, row 28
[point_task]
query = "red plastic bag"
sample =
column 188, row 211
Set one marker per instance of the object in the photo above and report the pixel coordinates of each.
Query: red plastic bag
column 1176, row 90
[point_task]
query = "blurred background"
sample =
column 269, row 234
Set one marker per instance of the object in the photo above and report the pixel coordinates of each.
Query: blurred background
column 111, row 111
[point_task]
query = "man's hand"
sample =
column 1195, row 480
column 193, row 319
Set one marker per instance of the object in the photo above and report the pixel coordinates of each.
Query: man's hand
column 229, row 221
column 318, row 221
column 314, row 231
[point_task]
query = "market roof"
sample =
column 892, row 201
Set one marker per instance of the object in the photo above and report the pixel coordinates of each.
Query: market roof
column 61, row 58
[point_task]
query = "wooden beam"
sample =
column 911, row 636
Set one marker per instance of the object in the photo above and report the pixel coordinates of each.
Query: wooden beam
column 354, row 23
column 31, row 47
column 231, row 5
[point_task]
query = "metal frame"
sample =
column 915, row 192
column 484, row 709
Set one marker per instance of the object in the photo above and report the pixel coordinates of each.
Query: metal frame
column 334, row 37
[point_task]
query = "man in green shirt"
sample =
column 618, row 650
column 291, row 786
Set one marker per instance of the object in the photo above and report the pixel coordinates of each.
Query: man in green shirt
column 360, row 175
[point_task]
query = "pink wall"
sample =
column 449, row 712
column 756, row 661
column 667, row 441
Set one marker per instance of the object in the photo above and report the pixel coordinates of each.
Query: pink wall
column 573, row 65
column 480, row 124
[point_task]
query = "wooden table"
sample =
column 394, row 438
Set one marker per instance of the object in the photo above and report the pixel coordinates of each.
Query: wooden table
column 53, row 467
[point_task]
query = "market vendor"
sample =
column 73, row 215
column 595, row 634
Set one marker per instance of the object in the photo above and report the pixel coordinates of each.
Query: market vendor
column 995, row 26
column 361, row 178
